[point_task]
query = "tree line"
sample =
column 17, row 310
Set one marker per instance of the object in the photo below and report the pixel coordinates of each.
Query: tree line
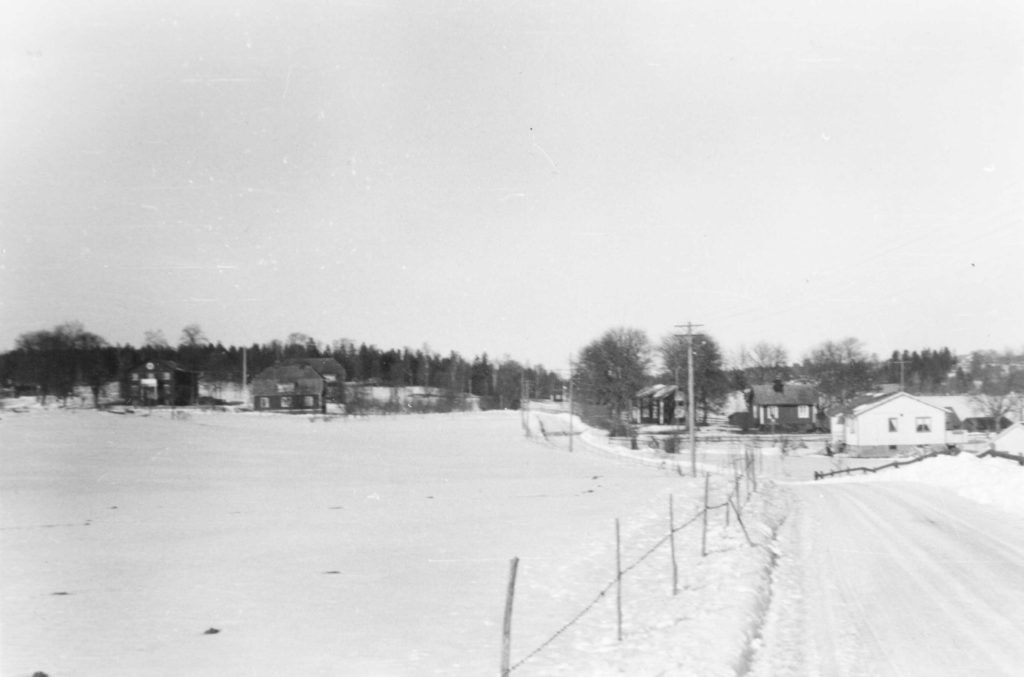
column 612, row 368
column 52, row 362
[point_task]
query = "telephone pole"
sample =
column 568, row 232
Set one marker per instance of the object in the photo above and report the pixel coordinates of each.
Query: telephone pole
column 570, row 404
column 901, row 363
column 691, row 413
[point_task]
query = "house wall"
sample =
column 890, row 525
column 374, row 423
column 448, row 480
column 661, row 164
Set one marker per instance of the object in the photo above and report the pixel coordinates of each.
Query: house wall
column 872, row 427
column 788, row 415
column 286, row 402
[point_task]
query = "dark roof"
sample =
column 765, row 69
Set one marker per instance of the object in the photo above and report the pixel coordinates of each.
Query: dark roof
column 322, row 365
column 792, row 394
column 158, row 365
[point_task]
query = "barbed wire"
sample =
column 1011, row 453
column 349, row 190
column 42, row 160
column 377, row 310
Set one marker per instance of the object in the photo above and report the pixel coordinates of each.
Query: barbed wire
column 604, row 591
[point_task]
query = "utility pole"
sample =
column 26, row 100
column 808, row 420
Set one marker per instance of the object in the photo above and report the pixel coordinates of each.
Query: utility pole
column 245, row 376
column 570, row 404
column 691, row 413
column 901, row 363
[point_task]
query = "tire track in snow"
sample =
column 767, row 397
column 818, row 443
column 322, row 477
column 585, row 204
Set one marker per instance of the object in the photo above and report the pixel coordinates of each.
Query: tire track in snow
column 895, row 579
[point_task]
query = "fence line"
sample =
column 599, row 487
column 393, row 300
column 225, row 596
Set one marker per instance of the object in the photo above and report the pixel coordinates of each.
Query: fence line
column 1003, row 454
column 733, row 499
column 820, row 475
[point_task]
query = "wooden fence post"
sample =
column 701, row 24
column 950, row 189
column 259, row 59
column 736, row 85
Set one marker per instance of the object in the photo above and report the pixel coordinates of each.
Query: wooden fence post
column 704, row 531
column 672, row 544
column 506, row 630
column 618, row 577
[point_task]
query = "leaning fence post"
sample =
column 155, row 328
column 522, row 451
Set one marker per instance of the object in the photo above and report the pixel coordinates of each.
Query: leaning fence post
column 506, row 630
column 672, row 544
column 704, row 531
column 618, row 577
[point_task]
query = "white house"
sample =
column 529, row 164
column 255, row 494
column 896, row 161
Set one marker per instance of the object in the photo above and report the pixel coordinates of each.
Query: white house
column 1010, row 440
column 890, row 423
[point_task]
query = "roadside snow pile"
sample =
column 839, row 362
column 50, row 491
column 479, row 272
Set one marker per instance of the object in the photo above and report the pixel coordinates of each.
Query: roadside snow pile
column 993, row 481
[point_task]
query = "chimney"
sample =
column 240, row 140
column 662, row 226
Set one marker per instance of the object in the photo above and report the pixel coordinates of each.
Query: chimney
column 777, row 385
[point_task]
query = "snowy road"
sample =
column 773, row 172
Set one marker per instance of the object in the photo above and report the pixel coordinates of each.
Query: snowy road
column 895, row 579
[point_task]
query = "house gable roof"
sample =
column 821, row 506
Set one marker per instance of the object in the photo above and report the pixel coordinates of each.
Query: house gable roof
column 158, row 365
column 856, row 409
column 321, row 365
column 657, row 392
column 792, row 394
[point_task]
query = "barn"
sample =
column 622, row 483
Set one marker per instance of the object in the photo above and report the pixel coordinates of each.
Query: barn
column 301, row 384
column 886, row 424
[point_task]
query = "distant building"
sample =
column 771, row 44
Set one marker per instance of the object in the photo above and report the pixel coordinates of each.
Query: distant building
column 887, row 423
column 161, row 382
column 791, row 407
column 658, row 404
column 971, row 416
column 300, row 384
column 1010, row 440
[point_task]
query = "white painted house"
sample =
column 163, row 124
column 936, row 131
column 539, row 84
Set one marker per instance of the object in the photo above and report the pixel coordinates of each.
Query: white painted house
column 891, row 423
column 1010, row 440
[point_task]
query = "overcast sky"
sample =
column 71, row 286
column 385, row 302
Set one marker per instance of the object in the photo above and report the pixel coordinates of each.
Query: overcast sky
column 515, row 177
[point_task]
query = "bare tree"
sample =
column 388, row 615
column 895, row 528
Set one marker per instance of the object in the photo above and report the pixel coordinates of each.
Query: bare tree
column 611, row 369
column 841, row 369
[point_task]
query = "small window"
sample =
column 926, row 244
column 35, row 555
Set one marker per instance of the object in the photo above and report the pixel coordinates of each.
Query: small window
column 773, row 411
column 286, row 402
column 166, row 376
column 307, row 401
column 923, row 424
column 264, row 403
column 894, row 425
column 803, row 411
column 135, row 377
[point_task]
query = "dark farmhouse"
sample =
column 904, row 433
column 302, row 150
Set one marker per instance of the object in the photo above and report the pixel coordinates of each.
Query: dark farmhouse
column 301, row 384
column 161, row 382
column 789, row 407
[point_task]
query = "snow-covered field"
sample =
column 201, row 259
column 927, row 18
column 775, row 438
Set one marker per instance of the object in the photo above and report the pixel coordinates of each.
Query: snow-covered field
column 375, row 546
column 381, row 546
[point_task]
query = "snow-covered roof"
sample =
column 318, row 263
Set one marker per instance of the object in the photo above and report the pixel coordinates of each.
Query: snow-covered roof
column 964, row 406
column 860, row 405
column 657, row 391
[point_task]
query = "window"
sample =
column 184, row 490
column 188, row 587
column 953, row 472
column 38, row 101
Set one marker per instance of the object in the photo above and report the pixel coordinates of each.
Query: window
column 286, row 402
column 264, row 403
column 166, row 376
column 803, row 411
column 307, row 401
column 894, row 425
column 923, row 424
column 773, row 411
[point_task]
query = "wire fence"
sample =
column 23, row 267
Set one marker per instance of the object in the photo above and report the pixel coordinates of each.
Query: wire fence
column 744, row 477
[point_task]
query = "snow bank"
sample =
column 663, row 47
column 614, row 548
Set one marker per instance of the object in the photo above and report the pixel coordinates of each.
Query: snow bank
column 994, row 481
